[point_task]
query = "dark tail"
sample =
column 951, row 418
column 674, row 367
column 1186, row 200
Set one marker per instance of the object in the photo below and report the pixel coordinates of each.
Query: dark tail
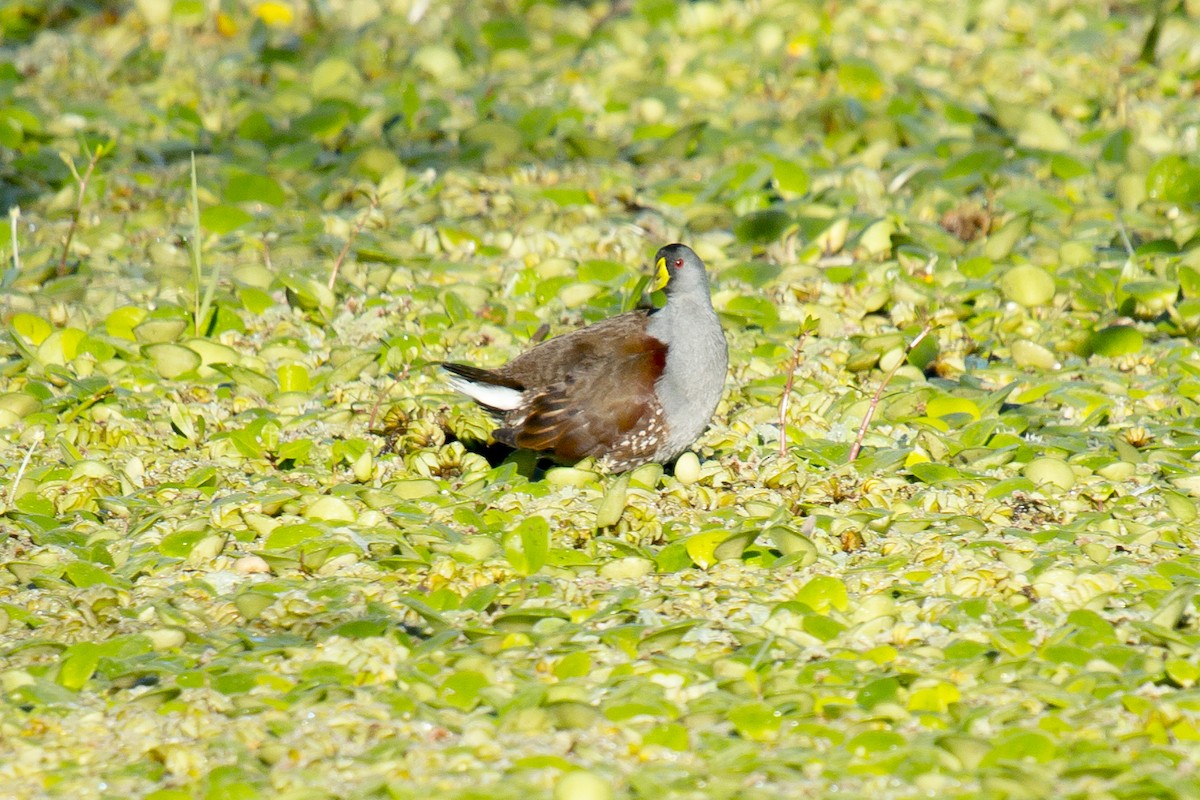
column 477, row 375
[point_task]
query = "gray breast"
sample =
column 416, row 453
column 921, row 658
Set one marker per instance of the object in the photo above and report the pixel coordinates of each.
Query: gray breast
column 693, row 379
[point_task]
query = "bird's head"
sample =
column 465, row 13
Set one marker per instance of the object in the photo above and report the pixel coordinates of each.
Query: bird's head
column 677, row 267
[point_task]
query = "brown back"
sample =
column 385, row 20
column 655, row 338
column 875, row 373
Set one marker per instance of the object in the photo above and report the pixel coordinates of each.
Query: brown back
column 553, row 361
column 596, row 388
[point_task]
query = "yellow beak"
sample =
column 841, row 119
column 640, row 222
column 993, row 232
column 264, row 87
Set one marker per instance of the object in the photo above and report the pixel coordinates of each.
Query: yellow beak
column 661, row 276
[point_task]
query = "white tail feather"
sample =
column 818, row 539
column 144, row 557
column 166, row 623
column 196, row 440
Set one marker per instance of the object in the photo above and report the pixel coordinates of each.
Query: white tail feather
column 501, row 398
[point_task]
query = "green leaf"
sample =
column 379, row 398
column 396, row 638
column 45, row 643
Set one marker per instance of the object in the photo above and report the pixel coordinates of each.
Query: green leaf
column 352, row 369
column 934, row 473
column 947, row 405
column 1018, row 746
column 308, row 293
column 461, row 690
column 657, row 12
column 790, row 177
column 188, row 12
column 11, row 133
column 823, row 627
column 573, row 665
column 255, row 300
column 755, row 310
column 293, row 378
column 563, row 196
column 1000, row 243
column 288, row 536
column 84, row 574
column 1115, row 149
column 1174, row 179
column 526, row 547
column 77, row 665
column 172, row 360
column 32, row 329
column 936, row 698
column 1151, row 297
column 702, row 547
column 756, row 273
column 31, row 503
column 179, row 544
column 670, row 735
column 673, row 558
column 762, row 227
column 480, row 599
column 505, row 33
column 163, row 325
column 295, row 451
column 733, row 546
column 882, row 690
column 756, row 721
column 495, row 142
column 251, row 604
column 1027, row 285
column 1066, row 167
column 880, row 742
column 824, row 592
column 1008, row 486
column 1041, row 130
column 335, row 77
column 221, row 219
column 246, row 378
column 1115, row 340
column 980, row 164
column 861, row 79
column 612, row 503
column 792, row 543
column 326, row 121
column 120, row 322
column 249, row 187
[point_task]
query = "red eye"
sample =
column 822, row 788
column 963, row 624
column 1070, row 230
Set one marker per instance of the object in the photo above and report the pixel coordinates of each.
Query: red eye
column 678, row 263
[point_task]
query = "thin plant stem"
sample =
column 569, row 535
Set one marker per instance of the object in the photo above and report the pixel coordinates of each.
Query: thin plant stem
column 12, row 490
column 196, row 258
column 354, row 232
column 1125, row 238
column 14, row 214
column 201, row 305
column 82, row 180
column 266, row 251
column 403, row 376
column 786, row 400
column 891, row 373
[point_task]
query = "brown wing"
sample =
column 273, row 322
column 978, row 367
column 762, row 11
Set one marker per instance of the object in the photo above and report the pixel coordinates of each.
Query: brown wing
column 553, row 362
column 596, row 405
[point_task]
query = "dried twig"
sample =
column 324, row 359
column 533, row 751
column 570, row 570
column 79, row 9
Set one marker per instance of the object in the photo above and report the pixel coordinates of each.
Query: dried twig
column 82, row 180
column 891, row 373
column 33, row 445
column 354, row 232
column 787, row 390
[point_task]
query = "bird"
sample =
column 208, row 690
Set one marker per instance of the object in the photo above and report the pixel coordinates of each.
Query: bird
column 629, row 390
